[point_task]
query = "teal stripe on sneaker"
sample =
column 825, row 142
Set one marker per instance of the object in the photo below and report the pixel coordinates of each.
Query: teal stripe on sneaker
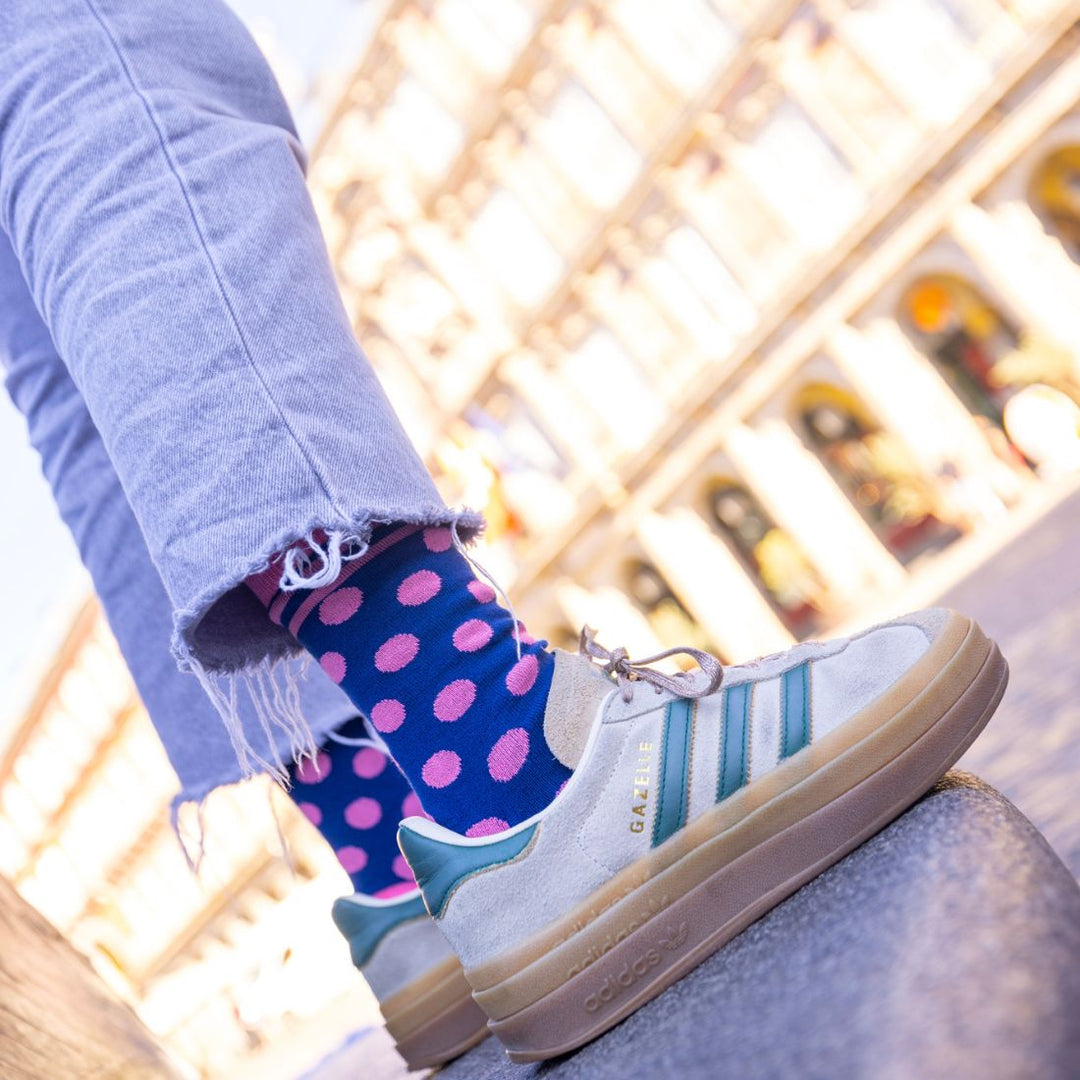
column 795, row 706
column 440, row 866
column 673, row 796
column 734, row 740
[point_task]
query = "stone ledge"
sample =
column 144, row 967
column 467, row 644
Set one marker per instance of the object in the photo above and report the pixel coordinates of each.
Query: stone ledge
column 946, row 946
column 58, row 1020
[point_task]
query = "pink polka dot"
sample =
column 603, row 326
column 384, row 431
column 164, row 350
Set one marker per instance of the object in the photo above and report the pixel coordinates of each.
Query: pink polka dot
column 311, row 772
column 472, row 635
column 524, row 635
column 333, row 663
column 394, row 653
column 353, row 858
column 481, row 591
column 561, row 787
column 368, row 763
column 441, row 769
column 509, row 754
column 411, row 807
column 419, row 588
column 399, row 888
column 401, row 868
column 437, row 538
column 387, row 715
column 363, row 813
column 311, row 812
column 487, row 827
column 340, row 605
column 520, row 678
column 453, row 699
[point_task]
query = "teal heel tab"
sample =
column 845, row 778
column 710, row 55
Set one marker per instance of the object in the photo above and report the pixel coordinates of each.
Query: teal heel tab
column 364, row 927
column 441, row 866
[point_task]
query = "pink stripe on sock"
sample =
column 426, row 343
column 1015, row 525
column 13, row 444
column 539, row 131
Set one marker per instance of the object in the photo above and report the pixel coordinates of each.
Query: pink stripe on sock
column 347, row 570
column 276, row 608
column 265, row 584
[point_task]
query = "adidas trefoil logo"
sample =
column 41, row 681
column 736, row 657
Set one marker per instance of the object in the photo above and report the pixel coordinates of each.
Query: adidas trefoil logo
column 673, row 938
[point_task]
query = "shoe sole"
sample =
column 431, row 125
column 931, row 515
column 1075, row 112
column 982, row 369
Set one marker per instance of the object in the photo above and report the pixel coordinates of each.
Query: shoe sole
column 435, row 1019
column 662, row 916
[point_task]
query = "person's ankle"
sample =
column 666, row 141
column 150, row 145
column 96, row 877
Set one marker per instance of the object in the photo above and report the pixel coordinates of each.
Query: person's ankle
column 446, row 675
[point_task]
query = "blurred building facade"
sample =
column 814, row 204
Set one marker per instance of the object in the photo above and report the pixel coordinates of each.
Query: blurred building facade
column 732, row 315
column 735, row 317
column 224, row 964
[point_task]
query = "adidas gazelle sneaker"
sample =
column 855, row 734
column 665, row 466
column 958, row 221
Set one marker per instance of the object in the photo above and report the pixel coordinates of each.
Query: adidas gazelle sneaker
column 414, row 974
column 692, row 810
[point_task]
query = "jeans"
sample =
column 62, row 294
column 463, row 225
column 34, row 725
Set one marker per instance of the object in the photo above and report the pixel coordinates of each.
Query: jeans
column 152, row 193
column 92, row 504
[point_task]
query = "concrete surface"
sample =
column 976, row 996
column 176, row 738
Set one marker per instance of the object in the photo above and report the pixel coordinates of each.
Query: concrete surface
column 1028, row 598
column 946, row 946
column 58, row 1020
column 775, row 1009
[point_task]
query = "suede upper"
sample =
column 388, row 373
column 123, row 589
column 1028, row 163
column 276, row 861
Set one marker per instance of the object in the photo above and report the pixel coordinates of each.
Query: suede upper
column 609, row 814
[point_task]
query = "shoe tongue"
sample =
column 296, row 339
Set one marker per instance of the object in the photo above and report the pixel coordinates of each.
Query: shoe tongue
column 577, row 688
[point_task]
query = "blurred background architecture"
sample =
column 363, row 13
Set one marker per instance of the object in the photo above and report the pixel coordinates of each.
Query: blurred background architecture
column 741, row 320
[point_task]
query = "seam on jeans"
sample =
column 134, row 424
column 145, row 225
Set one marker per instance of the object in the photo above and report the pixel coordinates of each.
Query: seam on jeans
column 163, row 142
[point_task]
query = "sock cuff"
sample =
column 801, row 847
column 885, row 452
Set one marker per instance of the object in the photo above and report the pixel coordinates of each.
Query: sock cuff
column 291, row 608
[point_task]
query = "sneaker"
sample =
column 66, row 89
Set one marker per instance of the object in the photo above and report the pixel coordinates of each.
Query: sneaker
column 692, row 811
column 423, row 995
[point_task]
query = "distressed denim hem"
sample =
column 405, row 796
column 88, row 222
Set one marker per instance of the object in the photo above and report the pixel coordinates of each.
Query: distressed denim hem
column 194, row 846
column 226, row 640
column 223, row 633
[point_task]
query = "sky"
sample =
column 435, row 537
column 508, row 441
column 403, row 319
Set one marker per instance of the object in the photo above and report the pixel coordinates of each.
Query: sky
column 311, row 47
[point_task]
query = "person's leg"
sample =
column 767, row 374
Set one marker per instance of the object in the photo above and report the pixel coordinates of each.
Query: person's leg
column 423, row 649
column 353, row 794
column 92, row 504
column 150, row 182
column 152, row 187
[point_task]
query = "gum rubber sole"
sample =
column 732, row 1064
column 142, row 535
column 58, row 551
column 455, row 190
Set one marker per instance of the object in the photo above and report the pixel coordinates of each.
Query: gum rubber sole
column 674, row 919
column 438, row 1023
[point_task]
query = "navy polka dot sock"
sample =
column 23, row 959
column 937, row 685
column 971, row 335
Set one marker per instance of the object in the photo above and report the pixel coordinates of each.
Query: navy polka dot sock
column 355, row 796
column 423, row 649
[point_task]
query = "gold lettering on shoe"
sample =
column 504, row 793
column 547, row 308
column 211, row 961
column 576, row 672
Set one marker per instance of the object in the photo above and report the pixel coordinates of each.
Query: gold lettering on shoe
column 642, row 781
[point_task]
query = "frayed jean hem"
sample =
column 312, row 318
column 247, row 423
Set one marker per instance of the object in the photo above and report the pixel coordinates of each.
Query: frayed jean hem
column 227, row 641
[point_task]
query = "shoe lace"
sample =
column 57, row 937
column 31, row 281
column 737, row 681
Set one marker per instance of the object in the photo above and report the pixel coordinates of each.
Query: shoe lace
column 617, row 663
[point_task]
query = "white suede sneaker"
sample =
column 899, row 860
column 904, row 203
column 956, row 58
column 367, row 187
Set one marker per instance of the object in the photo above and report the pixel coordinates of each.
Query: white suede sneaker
column 424, row 998
column 691, row 812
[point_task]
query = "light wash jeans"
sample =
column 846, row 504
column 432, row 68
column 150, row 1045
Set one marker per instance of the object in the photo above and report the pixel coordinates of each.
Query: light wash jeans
column 92, row 503
column 152, row 192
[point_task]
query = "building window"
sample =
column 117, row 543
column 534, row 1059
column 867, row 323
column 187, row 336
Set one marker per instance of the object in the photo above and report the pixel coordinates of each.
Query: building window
column 958, row 328
column 1054, row 192
column 824, row 72
column 921, row 53
column 989, row 362
column 826, row 200
column 670, row 621
column 528, row 490
column 874, row 470
column 490, row 33
column 769, row 554
column 416, row 122
column 686, row 41
column 609, row 381
column 513, row 250
column 586, row 146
